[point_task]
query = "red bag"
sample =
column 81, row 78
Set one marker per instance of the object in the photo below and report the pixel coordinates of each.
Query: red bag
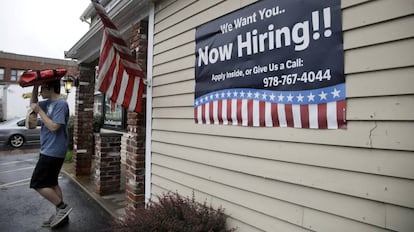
column 39, row 77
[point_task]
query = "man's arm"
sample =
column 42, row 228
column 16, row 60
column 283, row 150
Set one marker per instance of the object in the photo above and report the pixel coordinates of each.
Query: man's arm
column 51, row 125
column 35, row 93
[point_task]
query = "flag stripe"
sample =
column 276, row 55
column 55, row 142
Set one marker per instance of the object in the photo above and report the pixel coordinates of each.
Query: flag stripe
column 136, row 91
column 331, row 118
column 122, row 86
column 129, row 91
column 196, row 114
column 341, row 113
column 224, row 112
column 234, row 111
column 203, row 114
column 313, row 116
column 117, row 79
column 262, row 113
column 275, row 114
column 289, row 115
column 219, row 111
column 242, row 115
column 111, row 82
column 297, row 121
column 211, row 112
column 207, row 113
column 107, row 76
column 322, row 120
column 250, row 110
column 215, row 112
column 281, row 115
column 304, row 116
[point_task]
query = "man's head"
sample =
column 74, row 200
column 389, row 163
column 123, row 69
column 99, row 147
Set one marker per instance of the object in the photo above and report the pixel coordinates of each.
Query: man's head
column 50, row 88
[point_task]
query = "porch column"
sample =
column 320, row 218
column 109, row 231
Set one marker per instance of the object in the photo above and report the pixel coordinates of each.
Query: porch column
column 83, row 149
column 135, row 155
column 107, row 174
column 135, row 164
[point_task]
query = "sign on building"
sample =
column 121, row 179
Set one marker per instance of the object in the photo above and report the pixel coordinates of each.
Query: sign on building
column 272, row 64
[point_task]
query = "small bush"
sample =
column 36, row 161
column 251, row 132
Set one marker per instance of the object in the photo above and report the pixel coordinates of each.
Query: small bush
column 173, row 213
column 68, row 157
column 70, row 132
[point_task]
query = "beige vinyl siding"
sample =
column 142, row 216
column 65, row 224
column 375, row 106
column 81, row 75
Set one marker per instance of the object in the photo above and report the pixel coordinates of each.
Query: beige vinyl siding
column 286, row 179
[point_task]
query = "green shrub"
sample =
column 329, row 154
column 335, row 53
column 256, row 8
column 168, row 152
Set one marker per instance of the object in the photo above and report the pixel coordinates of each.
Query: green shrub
column 70, row 132
column 173, row 213
column 68, row 157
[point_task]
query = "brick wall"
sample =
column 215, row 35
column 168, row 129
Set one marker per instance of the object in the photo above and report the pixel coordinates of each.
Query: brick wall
column 135, row 137
column 10, row 61
column 107, row 175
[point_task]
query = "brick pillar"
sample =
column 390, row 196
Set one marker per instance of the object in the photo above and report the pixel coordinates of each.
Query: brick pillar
column 83, row 122
column 135, row 164
column 135, row 137
column 107, row 176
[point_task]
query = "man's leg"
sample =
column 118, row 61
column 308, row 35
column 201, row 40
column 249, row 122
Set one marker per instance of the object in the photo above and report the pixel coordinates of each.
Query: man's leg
column 58, row 191
column 47, row 194
column 44, row 175
column 54, row 195
column 51, row 194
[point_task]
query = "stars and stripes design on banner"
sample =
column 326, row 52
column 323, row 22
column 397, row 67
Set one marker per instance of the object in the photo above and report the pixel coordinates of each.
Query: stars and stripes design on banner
column 318, row 108
column 119, row 75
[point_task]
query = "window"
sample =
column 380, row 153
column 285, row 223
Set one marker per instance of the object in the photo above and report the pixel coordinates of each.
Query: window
column 112, row 116
column 15, row 74
column 108, row 114
column 1, row 74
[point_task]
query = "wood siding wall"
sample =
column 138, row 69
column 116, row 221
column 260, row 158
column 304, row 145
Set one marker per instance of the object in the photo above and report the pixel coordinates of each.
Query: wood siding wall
column 285, row 179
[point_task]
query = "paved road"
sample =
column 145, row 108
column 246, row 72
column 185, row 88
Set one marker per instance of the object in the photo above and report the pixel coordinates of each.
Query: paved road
column 7, row 149
column 22, row 209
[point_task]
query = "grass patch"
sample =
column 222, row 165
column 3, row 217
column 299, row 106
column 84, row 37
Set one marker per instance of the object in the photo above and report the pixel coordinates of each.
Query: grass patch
column 68, row 157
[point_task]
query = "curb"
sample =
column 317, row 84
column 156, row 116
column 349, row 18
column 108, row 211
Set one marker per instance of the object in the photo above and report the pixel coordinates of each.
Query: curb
column 91, row 194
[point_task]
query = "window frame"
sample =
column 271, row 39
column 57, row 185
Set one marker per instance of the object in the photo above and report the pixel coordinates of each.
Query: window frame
column 104, row 100
column 17, row 75
column 2, row 73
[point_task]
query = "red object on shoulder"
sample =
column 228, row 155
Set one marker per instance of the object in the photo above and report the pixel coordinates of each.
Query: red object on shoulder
column 39, row 77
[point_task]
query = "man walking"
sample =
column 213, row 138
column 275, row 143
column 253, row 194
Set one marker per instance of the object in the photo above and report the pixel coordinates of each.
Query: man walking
column 54, row 113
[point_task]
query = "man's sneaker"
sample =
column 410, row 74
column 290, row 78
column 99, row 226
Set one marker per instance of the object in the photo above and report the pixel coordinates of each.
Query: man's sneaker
column 60, row 215
column 49, row 221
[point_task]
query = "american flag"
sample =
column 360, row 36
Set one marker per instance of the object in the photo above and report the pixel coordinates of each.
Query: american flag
column 119, row 75
column 318, row 108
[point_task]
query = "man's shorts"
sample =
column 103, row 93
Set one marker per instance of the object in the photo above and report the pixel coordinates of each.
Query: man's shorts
column 46, row 172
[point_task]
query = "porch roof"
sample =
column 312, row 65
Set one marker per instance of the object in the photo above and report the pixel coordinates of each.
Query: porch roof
column 124, row 14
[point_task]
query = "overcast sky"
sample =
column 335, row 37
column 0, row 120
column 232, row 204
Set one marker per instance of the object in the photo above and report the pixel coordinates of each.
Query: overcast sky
column 43, row 28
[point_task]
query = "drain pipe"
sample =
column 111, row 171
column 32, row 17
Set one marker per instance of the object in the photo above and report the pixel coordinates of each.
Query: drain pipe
column 148, row 126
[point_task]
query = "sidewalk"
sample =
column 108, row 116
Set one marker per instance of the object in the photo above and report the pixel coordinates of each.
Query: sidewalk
column 114, row 204
column 22, row 209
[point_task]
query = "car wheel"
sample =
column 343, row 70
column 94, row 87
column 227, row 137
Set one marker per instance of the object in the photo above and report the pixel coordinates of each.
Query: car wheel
column 16, row 141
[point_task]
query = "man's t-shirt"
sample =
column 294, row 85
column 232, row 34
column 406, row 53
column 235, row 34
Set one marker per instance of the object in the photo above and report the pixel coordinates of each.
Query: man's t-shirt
column 55, row 143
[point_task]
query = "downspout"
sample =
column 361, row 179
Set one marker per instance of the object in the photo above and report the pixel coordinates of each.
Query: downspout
column 148, row 137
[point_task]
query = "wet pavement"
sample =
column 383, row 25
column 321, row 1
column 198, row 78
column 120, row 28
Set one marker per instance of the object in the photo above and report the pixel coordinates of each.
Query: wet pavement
column 23, row 209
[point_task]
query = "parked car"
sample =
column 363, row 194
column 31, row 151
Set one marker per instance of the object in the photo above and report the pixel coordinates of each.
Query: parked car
column 14, row 133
